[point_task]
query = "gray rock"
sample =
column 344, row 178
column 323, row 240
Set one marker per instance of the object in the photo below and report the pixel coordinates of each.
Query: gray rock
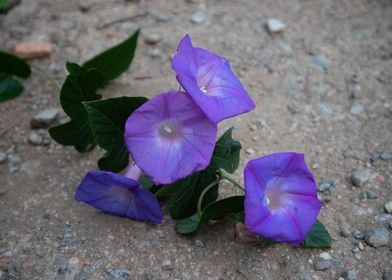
column 326, row 186
column 370, row 195
column 355, row 250
column 55, row 68
column 118, row 273
column 44, row 118
column 345, row 232
column 386, row 156
column 250, row 151
column 321, row 88
column 199, row 243
column 88, row 268
column 362, row 176
column 323, row 265
column 359, row 235
column 350, row 274
column 35, row 138
column 383, row 218
column 387, row 275
column 388, row 207
column 325, row 256
column 198, row 17
column 3, row 190
column 275, row 25
column 377, row 237
column 322, row 62
column 3, row 157
column 357, row 108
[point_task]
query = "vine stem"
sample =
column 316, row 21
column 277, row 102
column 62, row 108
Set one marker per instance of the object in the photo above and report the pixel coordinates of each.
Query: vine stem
column 223, row 174
column 210, row 186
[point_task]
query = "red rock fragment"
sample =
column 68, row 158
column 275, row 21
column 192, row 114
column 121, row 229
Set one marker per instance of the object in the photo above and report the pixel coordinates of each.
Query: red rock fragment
column 33, row 49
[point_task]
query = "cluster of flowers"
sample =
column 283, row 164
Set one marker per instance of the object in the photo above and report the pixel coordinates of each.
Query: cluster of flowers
column 173, row 135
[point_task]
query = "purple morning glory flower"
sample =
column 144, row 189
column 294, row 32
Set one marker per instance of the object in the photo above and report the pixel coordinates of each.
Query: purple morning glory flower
column 119, row 195
column 209, row 80
column 169, row 137
column 280, row 197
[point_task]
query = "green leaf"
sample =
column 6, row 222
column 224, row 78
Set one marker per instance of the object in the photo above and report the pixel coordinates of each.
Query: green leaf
column 227, row 153
column 185, row 193
column 318, row 236
column 221, row 208
column 188, row 225
column 80, row 86
column 107, row 119
column 13, row 65
column 116, row 60
column 214, row 211
column 184, row 201
column 9, row 88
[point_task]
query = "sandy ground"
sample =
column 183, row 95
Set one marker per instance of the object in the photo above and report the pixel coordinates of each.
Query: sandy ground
column 323, row 87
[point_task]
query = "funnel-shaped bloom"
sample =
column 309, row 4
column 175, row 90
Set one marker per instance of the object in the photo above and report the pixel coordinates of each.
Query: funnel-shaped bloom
column 280, row 197
column 169, row 137
column 208, row 79
column 119, row 195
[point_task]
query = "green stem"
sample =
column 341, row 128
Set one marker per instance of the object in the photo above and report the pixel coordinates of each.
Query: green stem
column 223, row 174
column 203, row 193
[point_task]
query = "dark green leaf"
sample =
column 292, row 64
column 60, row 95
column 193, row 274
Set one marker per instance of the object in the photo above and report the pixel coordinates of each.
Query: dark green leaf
column 116, row 60
column 146, row 182
column 227, row 153
column 214, row 211
column 80, row 86
column 184, row 201
column 185, row 193
column 13, row 65
column 221, row 208
column 107, row 119
column 9, row 88
column 5, row 6
column 318, row 236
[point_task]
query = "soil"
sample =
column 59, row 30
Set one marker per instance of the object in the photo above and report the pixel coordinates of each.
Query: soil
column 323, row 87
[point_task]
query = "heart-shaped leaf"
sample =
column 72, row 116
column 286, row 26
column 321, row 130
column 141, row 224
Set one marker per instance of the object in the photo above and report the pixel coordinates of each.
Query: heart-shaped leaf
column 116, row 60
column 80, row 86
column 107, row 119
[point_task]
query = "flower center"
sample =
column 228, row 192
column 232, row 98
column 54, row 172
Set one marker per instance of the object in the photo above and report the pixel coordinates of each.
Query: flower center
column 272, row 199
column 168, row 130
column 203, row 89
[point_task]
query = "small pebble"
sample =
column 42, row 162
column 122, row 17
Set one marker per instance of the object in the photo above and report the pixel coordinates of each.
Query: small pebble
column 388, row 207
column 34, row 138
column 250, row 151
column 198, row 17
column 166, row 265
column 323, row 265
column 345, row 232
column 350, row 274
column 322, row 62
column 275, row 25
column 386, row 156
column 362, row 176
column 357, row 108
column 377, row 237
column 326, row 186
column 118, row 274
column 152, row 38
column 199, row 243
column 370, row 195
column 3, row 157
column 325, row 256
column 44, row 118
column 355, row 250
column 33, row 49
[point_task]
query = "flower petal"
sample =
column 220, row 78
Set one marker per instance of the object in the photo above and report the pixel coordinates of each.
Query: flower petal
column 209, row 80
column 185, row 147
column 280, row 197
column 118, row 195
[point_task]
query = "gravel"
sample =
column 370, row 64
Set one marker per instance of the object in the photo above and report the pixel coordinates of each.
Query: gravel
column 3, row 157
column 377, row 237
column 388, row 207
column 44, row 118
column 322, row 265
column 198, row 17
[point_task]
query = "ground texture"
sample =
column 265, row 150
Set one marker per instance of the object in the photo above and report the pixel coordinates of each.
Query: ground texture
column 323, row 86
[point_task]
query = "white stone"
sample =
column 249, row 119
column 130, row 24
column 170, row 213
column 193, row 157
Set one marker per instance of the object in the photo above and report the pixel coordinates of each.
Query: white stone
column 388, row 207
column 275, row 25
